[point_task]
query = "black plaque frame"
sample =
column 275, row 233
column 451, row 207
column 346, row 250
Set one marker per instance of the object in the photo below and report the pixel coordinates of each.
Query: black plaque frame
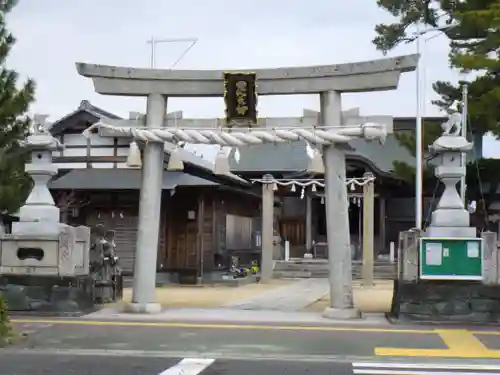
column 240, row 93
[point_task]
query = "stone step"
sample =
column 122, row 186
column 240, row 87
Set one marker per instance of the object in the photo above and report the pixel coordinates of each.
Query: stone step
column 291, row 267
column 382, row 270
column 322, row 264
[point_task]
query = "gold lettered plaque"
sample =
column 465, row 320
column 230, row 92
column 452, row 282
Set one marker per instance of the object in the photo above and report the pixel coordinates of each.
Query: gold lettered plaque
column 241, row 98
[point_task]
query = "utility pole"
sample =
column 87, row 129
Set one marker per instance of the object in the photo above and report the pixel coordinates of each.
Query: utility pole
column 463, row 133
column 419, row 144
column 153, row 41
column 419, row 193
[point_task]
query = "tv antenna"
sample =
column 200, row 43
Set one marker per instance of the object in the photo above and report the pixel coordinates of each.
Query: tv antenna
column 154, row 42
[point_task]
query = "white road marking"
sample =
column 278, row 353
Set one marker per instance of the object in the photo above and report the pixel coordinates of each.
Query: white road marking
column 415, row 372
column 437, row 366
column 393, row 368
column 189, row 366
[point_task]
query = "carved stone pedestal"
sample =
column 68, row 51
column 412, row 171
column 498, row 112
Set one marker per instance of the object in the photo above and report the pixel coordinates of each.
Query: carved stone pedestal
column 51, row 295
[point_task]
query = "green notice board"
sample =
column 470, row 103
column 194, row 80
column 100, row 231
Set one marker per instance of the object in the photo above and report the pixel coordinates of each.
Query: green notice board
column 451, row 258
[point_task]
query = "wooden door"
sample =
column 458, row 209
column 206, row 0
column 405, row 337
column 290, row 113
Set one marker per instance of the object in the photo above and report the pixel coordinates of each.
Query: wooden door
column 293, row 230
column 181, row 236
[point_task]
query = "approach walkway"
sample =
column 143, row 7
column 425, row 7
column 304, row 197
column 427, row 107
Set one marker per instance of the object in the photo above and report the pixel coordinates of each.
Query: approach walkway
column 292, row 297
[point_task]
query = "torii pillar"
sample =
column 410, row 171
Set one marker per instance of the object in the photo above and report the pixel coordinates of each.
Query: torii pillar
column 337, row 216
column 267, row 232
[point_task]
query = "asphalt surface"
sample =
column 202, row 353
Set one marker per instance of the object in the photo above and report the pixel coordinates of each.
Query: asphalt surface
column 82, row 347
column 227, row 342
column 20, row 363
column 23, row 364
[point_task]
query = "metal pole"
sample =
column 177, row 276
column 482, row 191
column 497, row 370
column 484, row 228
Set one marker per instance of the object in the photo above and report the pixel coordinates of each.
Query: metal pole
column 153, row 41
column 153, row 47
column 419, row 148
column 419, row 130
column 463, row 187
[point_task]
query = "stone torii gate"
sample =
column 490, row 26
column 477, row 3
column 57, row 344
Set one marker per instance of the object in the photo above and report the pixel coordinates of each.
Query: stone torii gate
column 329, row 81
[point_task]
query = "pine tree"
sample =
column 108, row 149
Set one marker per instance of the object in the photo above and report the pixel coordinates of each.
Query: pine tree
column 406, row 139
column 474, row 42
column 14, row 122
column 14, row 126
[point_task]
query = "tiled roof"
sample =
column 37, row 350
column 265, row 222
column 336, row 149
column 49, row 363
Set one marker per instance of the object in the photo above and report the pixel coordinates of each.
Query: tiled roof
column 117, row 179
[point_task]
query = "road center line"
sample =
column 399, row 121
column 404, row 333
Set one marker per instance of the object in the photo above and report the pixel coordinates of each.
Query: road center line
column 189, row 366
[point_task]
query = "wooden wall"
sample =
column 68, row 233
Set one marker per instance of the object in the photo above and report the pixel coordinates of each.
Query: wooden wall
column 195, row 241
column 192, row 228
column 118, row 210
column 95, row 152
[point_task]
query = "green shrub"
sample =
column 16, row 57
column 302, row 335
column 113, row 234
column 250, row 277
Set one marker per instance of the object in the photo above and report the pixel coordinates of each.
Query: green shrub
column 5, row 329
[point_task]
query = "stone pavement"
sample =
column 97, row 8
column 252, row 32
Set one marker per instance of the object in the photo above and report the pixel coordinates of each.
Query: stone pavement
column 292, row 297
column 278, row 295
column 368, row 299
column 227, row 315
column 297, row 302
column 206, row 296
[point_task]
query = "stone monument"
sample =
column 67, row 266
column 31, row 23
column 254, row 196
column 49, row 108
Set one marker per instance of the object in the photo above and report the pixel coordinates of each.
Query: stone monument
column 450, row 219
column 447, row 273
column 106, row 273
column 44, row 264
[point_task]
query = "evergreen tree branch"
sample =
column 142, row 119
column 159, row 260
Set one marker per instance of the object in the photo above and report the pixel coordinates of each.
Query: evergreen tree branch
column 15, row 99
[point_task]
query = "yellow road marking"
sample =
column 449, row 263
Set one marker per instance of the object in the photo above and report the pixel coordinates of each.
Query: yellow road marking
column 218, row 326
column 492, row 333
column 460, row 342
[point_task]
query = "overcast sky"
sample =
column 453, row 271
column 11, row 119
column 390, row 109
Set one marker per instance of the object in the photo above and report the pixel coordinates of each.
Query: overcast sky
column 53, row 35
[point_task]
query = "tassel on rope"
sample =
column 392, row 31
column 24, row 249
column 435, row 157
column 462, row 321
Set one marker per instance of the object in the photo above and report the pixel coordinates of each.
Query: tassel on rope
column 237, row 155
column 221, row 165
column 134, row 159
column 175, row 162
column 316, row 163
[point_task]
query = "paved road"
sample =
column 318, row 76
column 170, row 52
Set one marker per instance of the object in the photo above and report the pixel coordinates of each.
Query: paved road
column 230, row 341
column 105, row 364
column 169, row 348
column 23, row 364
column 408, row 368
